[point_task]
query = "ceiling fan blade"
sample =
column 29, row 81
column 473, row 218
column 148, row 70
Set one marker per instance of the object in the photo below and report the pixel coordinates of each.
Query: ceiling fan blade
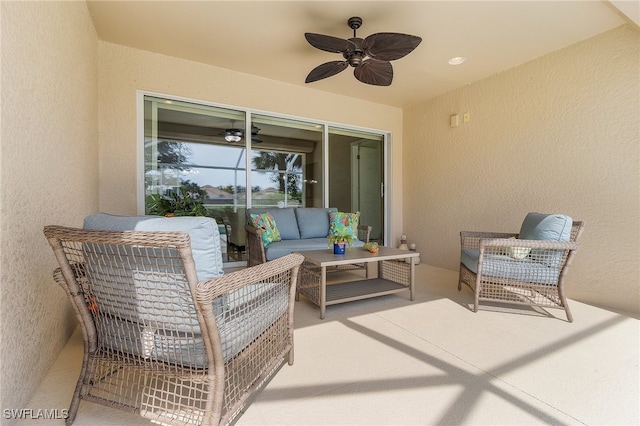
column 329, row 43
column 254, row 134
column 373, row 71
column 389, row 46
column 326, row 70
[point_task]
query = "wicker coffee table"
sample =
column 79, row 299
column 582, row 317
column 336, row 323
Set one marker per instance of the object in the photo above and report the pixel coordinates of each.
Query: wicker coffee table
column 395, row 274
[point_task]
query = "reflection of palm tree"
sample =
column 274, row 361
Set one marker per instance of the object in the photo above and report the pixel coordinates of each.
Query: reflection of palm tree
column 289, row 166
column 169, row 154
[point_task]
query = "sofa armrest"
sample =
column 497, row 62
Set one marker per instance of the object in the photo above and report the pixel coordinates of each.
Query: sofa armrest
column 255, row 247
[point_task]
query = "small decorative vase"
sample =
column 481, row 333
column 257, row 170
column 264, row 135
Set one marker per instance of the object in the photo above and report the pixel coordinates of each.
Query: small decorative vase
column 339, row 248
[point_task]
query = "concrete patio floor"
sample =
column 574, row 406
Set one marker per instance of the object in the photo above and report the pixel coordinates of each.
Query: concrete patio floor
column 391, row 361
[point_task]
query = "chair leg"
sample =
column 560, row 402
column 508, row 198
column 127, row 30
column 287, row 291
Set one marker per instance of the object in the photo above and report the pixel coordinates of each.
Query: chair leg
column 569, row 316
column 476, row 294
column 563, row 300
column 75, row 401
column 565, row 305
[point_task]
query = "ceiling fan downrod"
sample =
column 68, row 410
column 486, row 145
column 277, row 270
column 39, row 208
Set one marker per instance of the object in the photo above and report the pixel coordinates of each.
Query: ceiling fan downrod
column 356, row 56
column 354, row 23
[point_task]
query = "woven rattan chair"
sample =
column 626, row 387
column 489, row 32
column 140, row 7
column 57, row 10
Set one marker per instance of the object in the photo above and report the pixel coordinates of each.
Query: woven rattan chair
column 159, row 343
column 500, row 267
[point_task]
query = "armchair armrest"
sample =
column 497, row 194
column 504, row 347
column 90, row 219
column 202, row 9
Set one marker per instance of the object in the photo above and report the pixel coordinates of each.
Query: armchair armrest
column 471, row 239
column 207, row 291
column 364, row 233
column 533, row 244
column 553, row 254
column 238, row 309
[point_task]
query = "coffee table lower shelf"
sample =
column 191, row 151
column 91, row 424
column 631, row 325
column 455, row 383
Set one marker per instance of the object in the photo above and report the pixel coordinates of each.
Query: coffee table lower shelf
column 362, row 289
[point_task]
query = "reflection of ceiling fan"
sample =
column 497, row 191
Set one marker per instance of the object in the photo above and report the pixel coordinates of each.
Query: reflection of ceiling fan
column 370, row 57
column 235, row 135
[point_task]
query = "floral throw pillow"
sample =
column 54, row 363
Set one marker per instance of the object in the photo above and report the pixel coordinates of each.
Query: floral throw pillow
column 341, row 223
column 267, row 223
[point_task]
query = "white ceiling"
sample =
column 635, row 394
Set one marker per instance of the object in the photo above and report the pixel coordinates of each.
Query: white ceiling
column 266, row 38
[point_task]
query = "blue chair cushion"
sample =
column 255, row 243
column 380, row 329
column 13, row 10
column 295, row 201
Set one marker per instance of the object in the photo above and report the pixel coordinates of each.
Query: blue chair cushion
column 245, row 310
column 550, row 227
column 540, row 226
column 504, row 266
column 203, row 231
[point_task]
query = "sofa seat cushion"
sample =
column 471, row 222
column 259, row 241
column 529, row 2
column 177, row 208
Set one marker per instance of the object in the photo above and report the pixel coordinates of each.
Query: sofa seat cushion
column 284, row 218
column 313, row 222
column 506, row 267
column 284, row 247
column 203, row 231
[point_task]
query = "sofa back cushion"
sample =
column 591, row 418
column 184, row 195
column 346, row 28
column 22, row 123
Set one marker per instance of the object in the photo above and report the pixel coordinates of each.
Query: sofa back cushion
column 203, row 231
column 313, row 222
column 285, row 220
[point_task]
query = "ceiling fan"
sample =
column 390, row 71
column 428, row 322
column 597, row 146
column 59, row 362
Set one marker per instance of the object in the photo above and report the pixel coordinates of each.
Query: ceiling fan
column 235, row 135
column 370, row 57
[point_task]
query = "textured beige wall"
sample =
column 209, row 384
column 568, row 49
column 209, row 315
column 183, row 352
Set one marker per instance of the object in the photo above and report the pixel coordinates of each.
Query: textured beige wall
column 558, row 134
column 48, row 173
column 124, row 70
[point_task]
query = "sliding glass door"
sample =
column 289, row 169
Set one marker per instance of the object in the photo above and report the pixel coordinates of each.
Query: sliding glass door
column 356, row 176
column 200, row 156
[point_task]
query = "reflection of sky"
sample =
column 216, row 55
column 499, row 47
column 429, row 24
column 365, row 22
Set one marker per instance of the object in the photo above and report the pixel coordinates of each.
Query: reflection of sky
column 229, row 157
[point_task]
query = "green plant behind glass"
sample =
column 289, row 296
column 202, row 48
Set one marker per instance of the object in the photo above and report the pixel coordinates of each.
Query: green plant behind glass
column 175, row 203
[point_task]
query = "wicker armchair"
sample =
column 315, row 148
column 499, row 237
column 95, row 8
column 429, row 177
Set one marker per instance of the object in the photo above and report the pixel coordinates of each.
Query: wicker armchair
column 159, row 343
column 500, row 267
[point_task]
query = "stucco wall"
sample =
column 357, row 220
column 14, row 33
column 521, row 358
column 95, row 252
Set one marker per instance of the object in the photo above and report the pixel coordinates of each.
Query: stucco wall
column 558, row 134
column 124, row 70
column 49, row 161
